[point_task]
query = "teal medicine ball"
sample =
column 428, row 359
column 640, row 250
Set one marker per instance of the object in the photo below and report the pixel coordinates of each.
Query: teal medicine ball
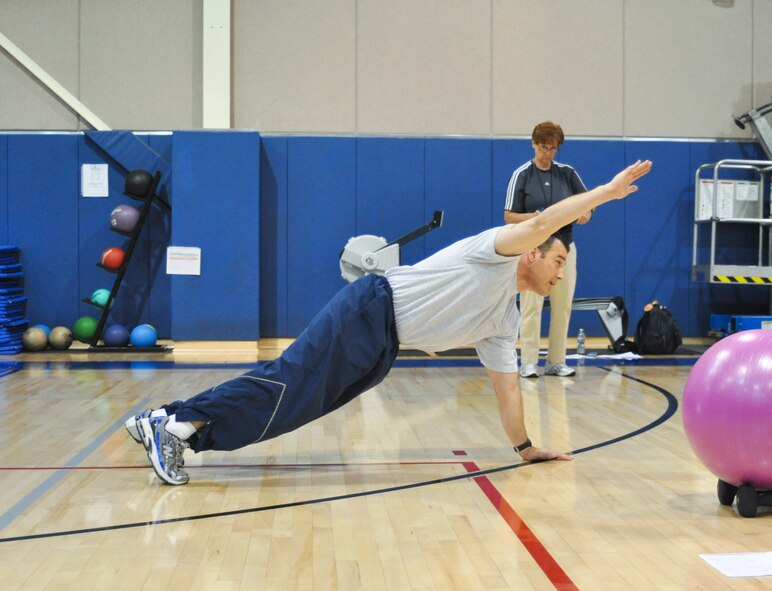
column 100, row 297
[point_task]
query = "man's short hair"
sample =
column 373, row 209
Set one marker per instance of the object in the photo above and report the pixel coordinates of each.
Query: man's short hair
column 547, row 244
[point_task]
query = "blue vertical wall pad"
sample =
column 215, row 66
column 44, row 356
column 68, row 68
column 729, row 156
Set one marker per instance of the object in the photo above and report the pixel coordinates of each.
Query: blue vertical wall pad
column 217, row 208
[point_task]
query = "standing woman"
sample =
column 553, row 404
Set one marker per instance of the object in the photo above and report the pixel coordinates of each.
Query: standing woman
column 535, row 186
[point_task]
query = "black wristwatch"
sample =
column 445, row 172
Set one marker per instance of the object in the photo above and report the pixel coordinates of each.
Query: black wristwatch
column 522, row 447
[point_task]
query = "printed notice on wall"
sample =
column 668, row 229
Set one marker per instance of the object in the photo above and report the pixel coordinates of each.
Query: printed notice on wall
column 94, row 180
column 183, row 260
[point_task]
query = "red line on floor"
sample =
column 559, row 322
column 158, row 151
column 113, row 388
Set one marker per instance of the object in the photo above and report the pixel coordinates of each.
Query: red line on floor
column 543, row 558
column 247, row 466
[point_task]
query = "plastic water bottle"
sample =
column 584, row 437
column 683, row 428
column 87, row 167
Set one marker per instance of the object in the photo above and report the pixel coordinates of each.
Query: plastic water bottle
column 581, row 348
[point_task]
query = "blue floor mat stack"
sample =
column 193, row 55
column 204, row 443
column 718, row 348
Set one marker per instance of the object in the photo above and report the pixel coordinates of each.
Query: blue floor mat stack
column 13, row 304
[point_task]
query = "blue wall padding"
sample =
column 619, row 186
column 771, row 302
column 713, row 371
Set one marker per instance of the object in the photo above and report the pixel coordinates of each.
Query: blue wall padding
column 217, row 208
column 130, row 153
column 157, row 235
column 3, row 189
column 658, row 223
column 274, row 226
column 321, row 214
column 458, row 181
column 600, row 243
column 43, row 203
column 272, row 216
column 507, row 155
column 389, row 196
column 639, row 249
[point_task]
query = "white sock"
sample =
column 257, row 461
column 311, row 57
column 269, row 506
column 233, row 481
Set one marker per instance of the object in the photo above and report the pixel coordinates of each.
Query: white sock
column 181, row 429
column 161, row 412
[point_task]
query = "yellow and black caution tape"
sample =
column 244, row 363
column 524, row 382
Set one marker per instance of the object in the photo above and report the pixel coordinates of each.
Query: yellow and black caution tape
column 741, row 279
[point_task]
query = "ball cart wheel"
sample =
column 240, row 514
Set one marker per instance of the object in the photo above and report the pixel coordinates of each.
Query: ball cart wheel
column 726, row 493
column 747, row 501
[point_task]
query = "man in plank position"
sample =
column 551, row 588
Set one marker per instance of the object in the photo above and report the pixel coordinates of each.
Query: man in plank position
column 465, row 293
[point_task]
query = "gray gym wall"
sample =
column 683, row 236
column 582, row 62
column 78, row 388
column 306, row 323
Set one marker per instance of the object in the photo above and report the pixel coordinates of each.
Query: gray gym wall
column 617, row 68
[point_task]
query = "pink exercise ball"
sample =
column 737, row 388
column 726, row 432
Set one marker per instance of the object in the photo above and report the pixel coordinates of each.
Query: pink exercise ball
column 727, row 409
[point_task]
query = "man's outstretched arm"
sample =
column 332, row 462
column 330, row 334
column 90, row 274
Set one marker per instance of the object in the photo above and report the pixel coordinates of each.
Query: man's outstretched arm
column 514, row 240
column 510, row 400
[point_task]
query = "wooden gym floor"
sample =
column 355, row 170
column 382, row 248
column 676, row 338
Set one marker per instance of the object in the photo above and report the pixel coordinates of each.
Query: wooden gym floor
column 411, row 486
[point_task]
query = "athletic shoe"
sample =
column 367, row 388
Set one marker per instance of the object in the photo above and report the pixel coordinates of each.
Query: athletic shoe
column 529, row 370
column 164, row 450
column 133, row 428
column 558, row 369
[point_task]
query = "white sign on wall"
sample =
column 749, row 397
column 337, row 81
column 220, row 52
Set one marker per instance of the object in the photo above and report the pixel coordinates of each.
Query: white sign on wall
column 94, row 180
column 183, row 260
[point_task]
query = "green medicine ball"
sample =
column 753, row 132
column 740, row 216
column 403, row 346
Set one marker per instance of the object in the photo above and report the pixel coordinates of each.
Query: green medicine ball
column 84, row 328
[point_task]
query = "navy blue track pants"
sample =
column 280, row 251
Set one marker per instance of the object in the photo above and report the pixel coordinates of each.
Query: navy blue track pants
column 348, row 348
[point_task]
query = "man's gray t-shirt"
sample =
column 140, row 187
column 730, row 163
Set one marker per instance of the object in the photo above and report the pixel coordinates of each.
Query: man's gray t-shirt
column 463, row 294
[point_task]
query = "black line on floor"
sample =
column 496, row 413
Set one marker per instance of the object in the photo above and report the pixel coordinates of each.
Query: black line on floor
column 669, row 412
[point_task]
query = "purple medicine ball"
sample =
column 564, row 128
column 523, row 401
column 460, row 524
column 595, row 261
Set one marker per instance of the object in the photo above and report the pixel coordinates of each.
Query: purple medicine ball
column 124, row 218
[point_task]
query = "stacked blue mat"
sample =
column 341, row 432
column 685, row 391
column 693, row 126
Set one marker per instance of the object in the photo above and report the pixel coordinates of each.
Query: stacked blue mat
column 13, row 304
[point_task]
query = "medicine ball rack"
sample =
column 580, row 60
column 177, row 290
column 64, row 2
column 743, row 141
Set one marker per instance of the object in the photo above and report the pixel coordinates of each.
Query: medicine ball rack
column 148, row 197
